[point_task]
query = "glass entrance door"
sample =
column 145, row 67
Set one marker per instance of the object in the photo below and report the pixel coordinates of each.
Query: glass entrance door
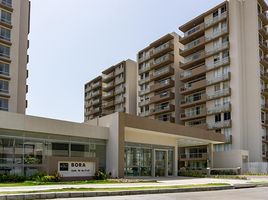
column 160, row 163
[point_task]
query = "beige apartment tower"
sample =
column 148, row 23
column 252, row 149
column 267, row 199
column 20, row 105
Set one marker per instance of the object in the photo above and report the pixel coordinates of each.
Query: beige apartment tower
column 14, row 30
column 158, row 70
column 114, row 91
column 225, row 78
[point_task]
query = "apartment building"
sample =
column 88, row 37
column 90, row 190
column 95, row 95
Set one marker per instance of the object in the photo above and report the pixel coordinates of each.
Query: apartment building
column 14, row 29
column 225, row 79
column 114, row 91
column 158, row 70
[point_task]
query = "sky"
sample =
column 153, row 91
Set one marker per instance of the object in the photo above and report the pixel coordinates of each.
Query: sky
column 73, row 41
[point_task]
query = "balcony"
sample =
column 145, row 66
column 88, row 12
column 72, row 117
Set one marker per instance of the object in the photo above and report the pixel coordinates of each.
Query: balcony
column 264, row 107
column 119, row 81
column 263, row 17
column 107, row 112
column 217, row 49
column 264, row 47
column 5, row 22
column 219, row 94
column 192, row 60
column 119, row 90
column 144, row 69
column 162, row 97
column 143, row 92
column 223, row 77
column 215, row 20
column 195, row 32
column 108, row 95
column 144, row 102
column 264, row 91
column 162, row 61
column 96, row 93
column 108, row 104
column 219, row 125
column 193, row 100
column 144, row 58
column 229, row 139
column 95, row 102
column 191, row 74
column 108, row 77
column 108, row 86
column 121, row 109
column 193, row 156
column 6, row 4
column 6, row 75
column 119, row 100
column 145, row 114
column 162, row 109
column 198, row 113
column 169, row 119
column 265, row 139
column 144, row 80
column 191, row 87
column 263, row 32
column 264, row 76
column 96, row 85
column 162, row 73
column 119, row 70
column 162, row 85
column 220, row 63
column 264, row 61
column 216, row 34
column 193, row 46
column 219, row 109
column 94, row 111
column 162, row 49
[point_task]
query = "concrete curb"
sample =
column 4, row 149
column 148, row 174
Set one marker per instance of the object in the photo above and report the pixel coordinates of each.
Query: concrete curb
column 54, row 195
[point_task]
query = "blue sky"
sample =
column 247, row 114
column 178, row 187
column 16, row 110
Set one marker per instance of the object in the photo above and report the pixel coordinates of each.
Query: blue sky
column 71, row 42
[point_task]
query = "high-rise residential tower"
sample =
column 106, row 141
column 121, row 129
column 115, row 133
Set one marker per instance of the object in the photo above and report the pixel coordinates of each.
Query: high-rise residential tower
column 158, row 70
column 114, row 91
column 14, row 30
column 225, row 77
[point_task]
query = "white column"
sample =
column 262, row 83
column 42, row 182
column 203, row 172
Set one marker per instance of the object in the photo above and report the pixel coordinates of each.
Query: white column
column 210, row 155
column 175, row 164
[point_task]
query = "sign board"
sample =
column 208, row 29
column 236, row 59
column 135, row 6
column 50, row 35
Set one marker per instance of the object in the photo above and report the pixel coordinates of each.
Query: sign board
column 76, row 169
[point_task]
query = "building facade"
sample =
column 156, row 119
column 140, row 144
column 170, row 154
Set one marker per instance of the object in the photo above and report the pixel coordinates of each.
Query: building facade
column 114, row 91
column 224, row 75
column 14, row 30
column 158, row 69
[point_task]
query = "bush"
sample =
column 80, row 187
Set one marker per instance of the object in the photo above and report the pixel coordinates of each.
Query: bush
column 189, row 173
column 99, row 175
column 223, row 172
column 38, row 176
column 8, row 178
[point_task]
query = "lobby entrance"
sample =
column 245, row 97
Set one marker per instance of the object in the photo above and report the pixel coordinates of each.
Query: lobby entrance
column 161, row 162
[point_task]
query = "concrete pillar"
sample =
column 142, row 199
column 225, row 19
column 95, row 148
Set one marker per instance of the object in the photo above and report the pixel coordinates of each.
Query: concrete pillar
column 210, row 155
column 153, row 163
column 175, row 164
column 166, row 161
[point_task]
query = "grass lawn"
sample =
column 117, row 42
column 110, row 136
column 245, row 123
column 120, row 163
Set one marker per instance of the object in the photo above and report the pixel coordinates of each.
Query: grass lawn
column 121, row 189
column 109, row 181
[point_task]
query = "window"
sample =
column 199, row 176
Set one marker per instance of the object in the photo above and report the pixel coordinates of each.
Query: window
column 216, row 58
column 3, row 86
column 5, row 33
column 3, row 104
column 263, row 117
column 218, row 117
column 227, row 116
column 7, row 3
column 60, row 149
column 217, row 87
column 225, row 54
column 216, row 14
column 5, row 17
column 223, row 9
column 4, row 69
column 4, row 51
column 217, row 103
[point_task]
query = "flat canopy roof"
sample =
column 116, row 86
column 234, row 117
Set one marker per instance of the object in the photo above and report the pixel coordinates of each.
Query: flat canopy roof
column 186, row 136
column 26, row 123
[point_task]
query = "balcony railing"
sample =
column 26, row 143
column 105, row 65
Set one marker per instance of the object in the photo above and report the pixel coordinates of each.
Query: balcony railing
column 217, row 49
column 108, row 94
column 216, row 34
column 144, row 80
column 162, row 97
column 193, row 113
column 162, row 71
column 162, row 85
column 144, row 114
column 143, row 92
column 219, row 63
column 119, row 100
column 96, row 101
column 160, row 108
column 119, row 90
column 193, row 44
column 107, row 76
column 96, row 84
column 215, row 19
column 193, row 86
column 192, row 99
column 188, row 73
column 108, row 104
column 95, row 93
column 221, row 78
column 144, row 102
column 162, row 47
column 144, row 69
column 167, row 119
column 7, row 21
column 219, row 93
column 166, row 59
column 194, row 30
column 219, row 109
column 221, row 124
column 108, row 85
column 192, row 58
column 119, row 70
column 6, row 3
column 119, row 80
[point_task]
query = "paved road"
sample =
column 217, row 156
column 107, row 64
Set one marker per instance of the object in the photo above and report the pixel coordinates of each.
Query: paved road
column 242, row 194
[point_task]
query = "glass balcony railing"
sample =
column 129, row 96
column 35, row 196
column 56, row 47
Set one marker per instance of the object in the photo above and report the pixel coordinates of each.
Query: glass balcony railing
column 218, row 63
column 193, row 113
column 215, row 19
column 219, row 93
column 219, row 109
column 217, row 48
column 194, row 30
column 220, row 78
column 7, row 3
column 221, row 124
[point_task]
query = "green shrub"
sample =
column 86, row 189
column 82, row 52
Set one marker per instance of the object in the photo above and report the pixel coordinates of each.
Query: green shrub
column 223, row 172
column 8, row 178
column 190, row 173
column 99, row 175
column 38, row 176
